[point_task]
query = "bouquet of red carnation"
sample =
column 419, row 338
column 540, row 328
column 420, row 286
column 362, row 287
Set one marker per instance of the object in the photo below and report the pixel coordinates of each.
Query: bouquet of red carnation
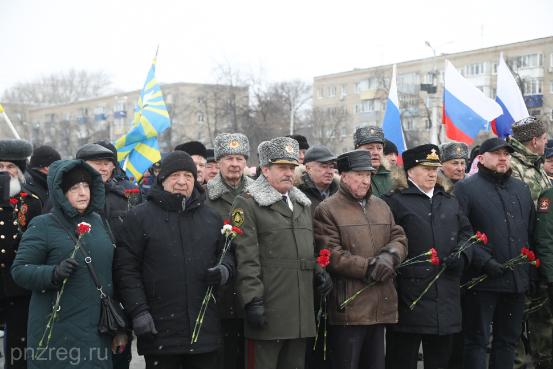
column 430, row 256
column 82, row 229
column 526, row 256
column 323, row 260
column 230, row 232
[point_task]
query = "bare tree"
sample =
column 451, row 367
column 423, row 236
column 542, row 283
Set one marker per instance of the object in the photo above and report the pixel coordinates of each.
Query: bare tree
column 327, row 123
column 59, row 88
column 294, row 95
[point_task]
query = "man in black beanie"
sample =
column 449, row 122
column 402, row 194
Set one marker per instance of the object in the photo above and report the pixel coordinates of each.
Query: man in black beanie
column 304, row 145
column 37, row 170
column 165, row 262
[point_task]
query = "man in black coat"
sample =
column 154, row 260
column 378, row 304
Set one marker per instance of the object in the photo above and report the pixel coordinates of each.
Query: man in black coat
column 501, row 207
column 17, row 207
column 431, row 218
column 165, row 262
column 37, row 171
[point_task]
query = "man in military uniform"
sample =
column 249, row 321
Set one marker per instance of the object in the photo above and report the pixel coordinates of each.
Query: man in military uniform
column 231, row 152
column 372, row 139
column 275, row 262
column 318, row 181
column 529, row 140
column 17, row 207
column 548, row 162
column 454, row 160
column 304, row 146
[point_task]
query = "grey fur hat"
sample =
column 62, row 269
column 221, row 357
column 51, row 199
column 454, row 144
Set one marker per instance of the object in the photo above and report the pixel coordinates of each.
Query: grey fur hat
column 526, row 129
column 367, row 135
column 454, row 150
column 260, row 151
column 280, row 150
column 15, row 151
column 231, row 144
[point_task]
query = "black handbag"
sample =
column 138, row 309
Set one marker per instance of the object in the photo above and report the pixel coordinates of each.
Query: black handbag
column 113, row 319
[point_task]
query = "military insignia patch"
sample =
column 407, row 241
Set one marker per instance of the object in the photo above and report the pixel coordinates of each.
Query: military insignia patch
column 289, row 149
column 543, row 205
column 234, row 144
column 433, row 155
column 238, row 217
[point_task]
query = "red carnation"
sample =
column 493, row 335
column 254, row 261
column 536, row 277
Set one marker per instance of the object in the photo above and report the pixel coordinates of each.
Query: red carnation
column 524, row 251
column 13, row 201
column 433, row 253
column 226, row 221
column 324, row 258
column 237, row 230
column 435, row 260
column 83, row 228
column 536, row 263
column 23, row 194
column 531, row 256
column 482, row 237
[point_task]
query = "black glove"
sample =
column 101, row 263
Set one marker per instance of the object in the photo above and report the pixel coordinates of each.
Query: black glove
column 384, row 267
column 255, row 313
column 64, row 270
column 143, row 324
column 323, row 283
column 217, row 276
column 493, row 269
column 455, row 264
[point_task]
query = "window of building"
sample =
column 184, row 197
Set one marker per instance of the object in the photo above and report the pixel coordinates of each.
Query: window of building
column 200, row 117
column 362, row 85
column 344, row 90
column 474, row 69
column 120, row 106
column 533, row 87
column 527, row 61
column 427, row 124
column 332, row 91
column 551, row 87
column 551, row 60
column 494, row 68
column 535, row 113
column 409, row 124
column 343, row 132
column 320, row 93
column 367, row 106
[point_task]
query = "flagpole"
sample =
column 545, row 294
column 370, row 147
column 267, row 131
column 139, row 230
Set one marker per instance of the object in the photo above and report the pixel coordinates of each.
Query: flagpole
column 10, row 124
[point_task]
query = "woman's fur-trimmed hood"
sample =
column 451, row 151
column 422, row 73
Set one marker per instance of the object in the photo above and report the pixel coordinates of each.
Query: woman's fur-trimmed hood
column 217, row 187
column 265, row 194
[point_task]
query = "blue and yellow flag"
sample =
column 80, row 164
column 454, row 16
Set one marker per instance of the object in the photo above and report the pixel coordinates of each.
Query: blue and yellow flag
column 139, row 149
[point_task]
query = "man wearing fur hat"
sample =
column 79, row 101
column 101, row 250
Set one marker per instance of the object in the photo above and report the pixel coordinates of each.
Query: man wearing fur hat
column 366, row 245
column 17, row 207
column 529, row 140
column 372, row 139
column 275, row 262
column 231, row 153
column 303, row 144
column 432, row 218
column 454, row 160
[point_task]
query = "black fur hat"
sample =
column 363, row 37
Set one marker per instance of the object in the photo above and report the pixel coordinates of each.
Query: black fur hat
column 15, row 151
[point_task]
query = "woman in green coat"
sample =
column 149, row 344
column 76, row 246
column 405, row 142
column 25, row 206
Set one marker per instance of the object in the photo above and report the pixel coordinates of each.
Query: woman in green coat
column 45, row 259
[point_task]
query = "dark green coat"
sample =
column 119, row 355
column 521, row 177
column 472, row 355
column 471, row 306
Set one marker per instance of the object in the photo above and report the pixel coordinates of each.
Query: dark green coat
column 381, row 182
column 45, row 244
column 275, row 260
column 543, row 233
column 220, row 198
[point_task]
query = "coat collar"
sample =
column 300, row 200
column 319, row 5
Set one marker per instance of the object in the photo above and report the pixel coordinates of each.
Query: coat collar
column 217, row 186
column 265, row 194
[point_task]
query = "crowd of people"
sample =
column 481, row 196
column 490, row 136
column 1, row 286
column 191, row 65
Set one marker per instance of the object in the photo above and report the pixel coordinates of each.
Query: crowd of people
column 336, row 261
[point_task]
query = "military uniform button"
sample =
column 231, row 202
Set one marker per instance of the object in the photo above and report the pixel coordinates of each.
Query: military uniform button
column 2, row 236
column 14, row 236
column 15, row 222
column 1, row 222
column 2, row 265
column 3, row 251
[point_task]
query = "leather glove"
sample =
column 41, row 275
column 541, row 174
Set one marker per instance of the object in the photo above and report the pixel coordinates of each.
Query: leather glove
column 493, row 269
column 455, row 264
column 143, row 324
column 384, row 267
column 64, row 270
column 323, row 283
column 217, row 276
column 255, row 313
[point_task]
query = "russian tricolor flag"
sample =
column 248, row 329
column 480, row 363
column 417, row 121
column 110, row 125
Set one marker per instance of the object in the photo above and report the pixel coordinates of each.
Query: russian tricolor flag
column 510, row 99
column 391, row 126
column 466, row 110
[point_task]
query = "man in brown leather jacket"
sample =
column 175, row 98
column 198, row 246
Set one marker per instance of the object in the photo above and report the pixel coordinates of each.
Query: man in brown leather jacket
column 366, row 245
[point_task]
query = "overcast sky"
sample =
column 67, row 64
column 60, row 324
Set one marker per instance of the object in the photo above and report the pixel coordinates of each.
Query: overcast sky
column 285, row 39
